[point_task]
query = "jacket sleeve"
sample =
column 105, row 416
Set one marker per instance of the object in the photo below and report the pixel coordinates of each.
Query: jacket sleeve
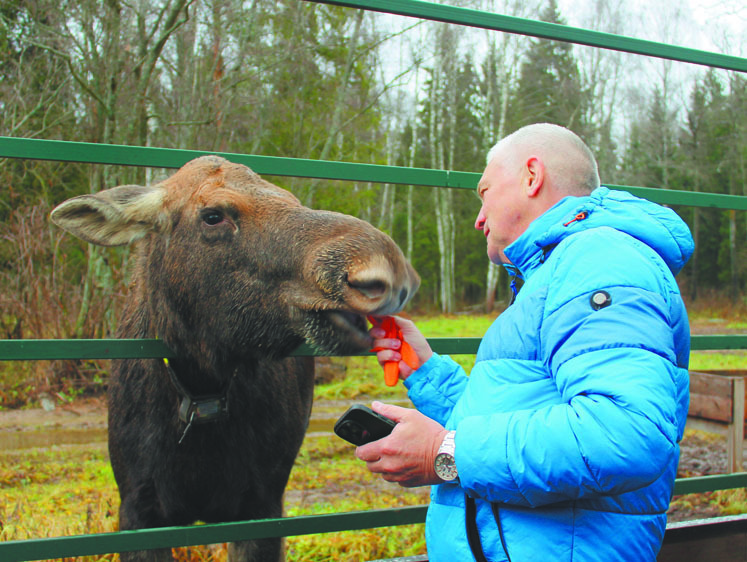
column 436, row 387
column 623, row 395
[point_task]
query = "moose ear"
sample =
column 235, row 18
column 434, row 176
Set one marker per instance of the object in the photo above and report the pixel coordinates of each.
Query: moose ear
column 113, row 217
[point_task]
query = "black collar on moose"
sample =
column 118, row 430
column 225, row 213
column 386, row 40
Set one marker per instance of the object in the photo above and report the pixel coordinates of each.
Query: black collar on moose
column 205, row 408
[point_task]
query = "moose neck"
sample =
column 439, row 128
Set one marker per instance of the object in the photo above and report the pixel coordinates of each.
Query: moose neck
column 196, row 381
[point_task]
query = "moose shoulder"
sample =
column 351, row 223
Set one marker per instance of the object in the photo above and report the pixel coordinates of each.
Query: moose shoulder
column 232, row 273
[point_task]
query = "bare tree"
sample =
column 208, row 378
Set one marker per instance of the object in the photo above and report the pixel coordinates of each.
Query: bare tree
column 110, row 50
column 500, row 67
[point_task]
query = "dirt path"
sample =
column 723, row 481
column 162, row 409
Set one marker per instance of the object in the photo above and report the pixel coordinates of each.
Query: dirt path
column 83, row 414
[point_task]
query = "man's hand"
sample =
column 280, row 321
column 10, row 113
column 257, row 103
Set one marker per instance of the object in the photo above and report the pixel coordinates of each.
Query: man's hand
column 389, row 348
column 405, row 456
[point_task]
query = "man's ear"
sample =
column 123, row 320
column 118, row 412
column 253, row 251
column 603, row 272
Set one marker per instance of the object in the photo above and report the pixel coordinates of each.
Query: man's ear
column 535, row 176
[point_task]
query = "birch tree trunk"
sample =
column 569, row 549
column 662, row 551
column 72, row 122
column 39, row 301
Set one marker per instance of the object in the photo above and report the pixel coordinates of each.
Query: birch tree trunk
column 447, row 195
column 738, row 178
column 500, row 68
column 491, row 282
column 696, row 238
column 386, row 212
column 435, row 149
column 411, row 188
column 410, row 196
column 734, row 293
column 441, row 104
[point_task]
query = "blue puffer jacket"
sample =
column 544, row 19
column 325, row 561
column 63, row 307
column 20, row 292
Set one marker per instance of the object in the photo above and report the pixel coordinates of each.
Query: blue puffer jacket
column 570, row 419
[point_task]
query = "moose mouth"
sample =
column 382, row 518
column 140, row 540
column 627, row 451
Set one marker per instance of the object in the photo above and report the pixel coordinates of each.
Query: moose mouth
column 337, row 332
column 353, row 326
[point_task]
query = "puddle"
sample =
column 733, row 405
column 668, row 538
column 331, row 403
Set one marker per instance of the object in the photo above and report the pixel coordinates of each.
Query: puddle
column 317, row 426
column 13, row 437
column 14, row 440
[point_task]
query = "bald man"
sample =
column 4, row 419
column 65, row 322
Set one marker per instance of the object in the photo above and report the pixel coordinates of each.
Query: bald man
column 562, row 443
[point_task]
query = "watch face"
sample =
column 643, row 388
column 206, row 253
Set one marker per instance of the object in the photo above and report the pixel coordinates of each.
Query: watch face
column 445, row 467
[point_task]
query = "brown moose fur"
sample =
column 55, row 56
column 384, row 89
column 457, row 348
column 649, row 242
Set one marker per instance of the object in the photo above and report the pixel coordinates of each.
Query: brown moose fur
column 232, row 273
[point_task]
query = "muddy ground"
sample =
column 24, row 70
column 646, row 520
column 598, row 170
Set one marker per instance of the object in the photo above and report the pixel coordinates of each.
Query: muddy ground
column 85, row 421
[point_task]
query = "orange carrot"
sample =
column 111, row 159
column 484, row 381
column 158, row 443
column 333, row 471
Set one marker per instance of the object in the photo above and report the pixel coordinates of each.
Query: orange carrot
column 391, row 373
column 408, row 355
column 391, row 368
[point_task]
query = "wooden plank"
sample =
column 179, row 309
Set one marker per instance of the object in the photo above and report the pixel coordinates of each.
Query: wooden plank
column 709, row 383
column 719, row 396
column 711, row 396
column 725, row 372
column 711, row 408
column 698, row 380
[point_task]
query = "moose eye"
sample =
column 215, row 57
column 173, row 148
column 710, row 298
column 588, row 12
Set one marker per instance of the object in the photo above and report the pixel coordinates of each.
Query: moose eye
column 212, row 217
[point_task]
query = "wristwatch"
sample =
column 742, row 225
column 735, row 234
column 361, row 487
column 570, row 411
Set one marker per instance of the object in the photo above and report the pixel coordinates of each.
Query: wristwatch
column 445, row 464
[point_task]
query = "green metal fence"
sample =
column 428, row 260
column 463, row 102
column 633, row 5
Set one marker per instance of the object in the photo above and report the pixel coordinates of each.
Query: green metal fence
column 545, row 30
column 84, row 545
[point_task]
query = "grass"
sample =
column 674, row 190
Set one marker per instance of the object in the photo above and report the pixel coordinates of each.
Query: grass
column 57, row 491
column 718, row 361
column 70, row 490
column 327, row 478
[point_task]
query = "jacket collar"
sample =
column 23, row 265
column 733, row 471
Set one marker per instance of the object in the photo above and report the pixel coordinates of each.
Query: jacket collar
column 529, row 251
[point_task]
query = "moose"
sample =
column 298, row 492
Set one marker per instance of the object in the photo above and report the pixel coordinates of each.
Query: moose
column 232, row 273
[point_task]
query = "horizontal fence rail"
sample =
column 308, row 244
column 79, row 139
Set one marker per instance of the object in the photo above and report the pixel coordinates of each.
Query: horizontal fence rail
column 30, row 350
column 169, row 537
column 544, row 30
column 93, row 153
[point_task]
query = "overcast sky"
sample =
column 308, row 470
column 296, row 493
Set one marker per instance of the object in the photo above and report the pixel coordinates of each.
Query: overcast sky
column 710, row 25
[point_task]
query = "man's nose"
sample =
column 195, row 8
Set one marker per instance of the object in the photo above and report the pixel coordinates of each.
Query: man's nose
column 480, row 220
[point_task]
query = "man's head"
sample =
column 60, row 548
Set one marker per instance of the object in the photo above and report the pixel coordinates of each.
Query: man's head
column 527, row 173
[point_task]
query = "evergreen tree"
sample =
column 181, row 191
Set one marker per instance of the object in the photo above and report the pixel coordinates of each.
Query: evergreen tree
column 549, row 88
column 449, row 136
column 714, row 151
column 652, row 151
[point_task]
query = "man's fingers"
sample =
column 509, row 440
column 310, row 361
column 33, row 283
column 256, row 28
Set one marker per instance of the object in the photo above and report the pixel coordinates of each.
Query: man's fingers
column 386, row 343
column 395, row 413
column 386, row 355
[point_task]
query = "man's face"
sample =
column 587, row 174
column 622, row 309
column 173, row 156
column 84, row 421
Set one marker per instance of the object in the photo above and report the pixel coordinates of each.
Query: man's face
column 503, row 207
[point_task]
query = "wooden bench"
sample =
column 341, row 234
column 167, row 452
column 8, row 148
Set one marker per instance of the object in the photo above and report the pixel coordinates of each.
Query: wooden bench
column 717, row 405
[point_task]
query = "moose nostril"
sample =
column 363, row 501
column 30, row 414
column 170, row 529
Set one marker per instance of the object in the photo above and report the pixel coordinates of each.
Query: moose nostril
column 373, row 289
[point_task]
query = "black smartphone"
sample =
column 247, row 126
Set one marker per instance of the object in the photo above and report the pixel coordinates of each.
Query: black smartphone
column 361, row 425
